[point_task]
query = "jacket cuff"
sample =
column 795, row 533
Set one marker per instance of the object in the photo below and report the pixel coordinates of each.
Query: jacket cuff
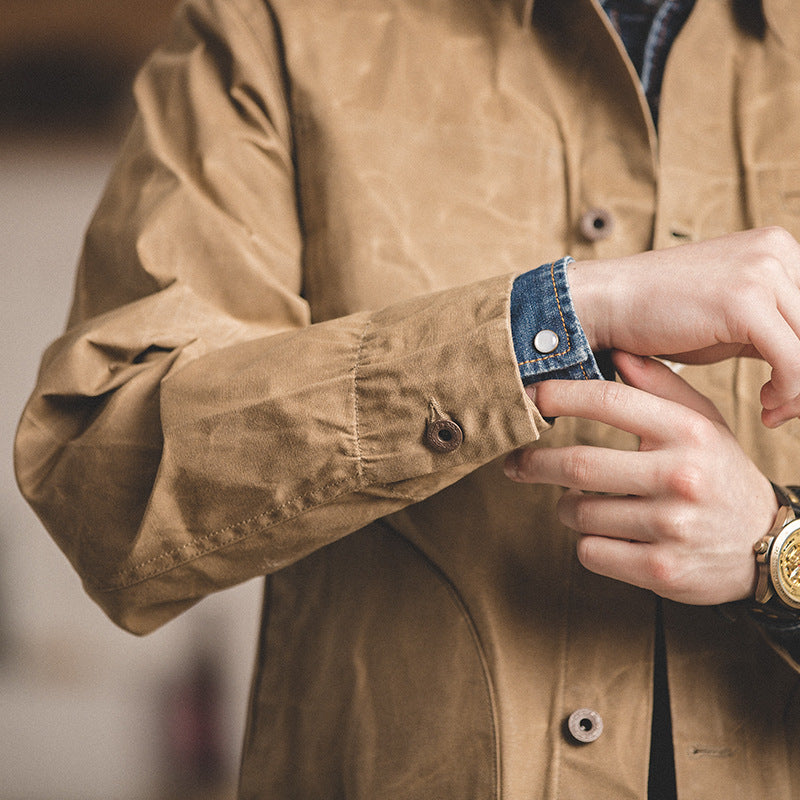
column 549, row 341
column 445, row 366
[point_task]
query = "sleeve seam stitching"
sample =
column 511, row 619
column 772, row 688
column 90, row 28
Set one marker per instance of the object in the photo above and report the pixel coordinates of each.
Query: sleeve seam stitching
column 128, row 578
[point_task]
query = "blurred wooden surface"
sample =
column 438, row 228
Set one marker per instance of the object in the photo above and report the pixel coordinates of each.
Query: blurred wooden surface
column 69, row 64
column 125, row 30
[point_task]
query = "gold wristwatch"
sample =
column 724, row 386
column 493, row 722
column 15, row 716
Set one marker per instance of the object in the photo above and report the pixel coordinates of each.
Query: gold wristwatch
column 778, row 554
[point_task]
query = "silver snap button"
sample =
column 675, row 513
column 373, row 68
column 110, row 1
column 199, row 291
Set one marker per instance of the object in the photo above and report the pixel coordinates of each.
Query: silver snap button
column 596, row 224
column 545, row 341
column 585, row 725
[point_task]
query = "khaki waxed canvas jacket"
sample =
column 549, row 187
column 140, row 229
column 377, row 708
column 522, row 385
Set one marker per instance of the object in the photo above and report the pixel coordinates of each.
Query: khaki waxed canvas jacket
column 303, row 258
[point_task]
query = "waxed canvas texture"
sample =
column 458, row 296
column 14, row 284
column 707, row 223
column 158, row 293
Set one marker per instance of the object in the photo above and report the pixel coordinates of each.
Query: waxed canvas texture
column 383, row 171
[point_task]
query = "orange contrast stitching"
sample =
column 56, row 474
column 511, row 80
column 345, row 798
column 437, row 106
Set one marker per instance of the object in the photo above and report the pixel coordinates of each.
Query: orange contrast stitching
column 563, row 325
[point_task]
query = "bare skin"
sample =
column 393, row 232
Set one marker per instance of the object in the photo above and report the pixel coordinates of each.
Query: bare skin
column 679, row 516
column 703, row 302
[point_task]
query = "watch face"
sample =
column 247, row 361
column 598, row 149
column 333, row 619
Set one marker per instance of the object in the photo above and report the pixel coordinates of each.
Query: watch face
column 786, row 565
column 790, row 563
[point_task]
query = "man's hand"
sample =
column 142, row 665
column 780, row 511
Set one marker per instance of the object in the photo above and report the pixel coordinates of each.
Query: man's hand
column 703, row 302
column 681, row 515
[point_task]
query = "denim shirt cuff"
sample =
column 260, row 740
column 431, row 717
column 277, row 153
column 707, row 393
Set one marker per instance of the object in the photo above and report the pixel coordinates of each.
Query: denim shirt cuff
column 541, row 302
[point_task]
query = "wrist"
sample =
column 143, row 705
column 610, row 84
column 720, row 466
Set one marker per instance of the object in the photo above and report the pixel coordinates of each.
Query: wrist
column 588, row 285
column 777, row 556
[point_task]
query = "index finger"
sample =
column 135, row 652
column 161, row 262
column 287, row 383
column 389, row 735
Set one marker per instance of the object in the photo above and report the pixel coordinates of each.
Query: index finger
column 779, row 345
column 624, row 407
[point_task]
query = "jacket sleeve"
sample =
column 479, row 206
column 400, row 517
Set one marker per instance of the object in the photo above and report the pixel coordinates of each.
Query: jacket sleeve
column 192, row 429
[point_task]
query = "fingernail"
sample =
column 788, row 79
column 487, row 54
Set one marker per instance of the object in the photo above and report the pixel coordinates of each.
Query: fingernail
column 638, row 361
column 774, row 420
column 530, row 390
column 511, row 466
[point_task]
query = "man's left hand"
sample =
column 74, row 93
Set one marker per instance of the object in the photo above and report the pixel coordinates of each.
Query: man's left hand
column 679, row 516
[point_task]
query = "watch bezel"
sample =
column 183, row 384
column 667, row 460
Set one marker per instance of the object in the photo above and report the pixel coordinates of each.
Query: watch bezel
column 776, row 575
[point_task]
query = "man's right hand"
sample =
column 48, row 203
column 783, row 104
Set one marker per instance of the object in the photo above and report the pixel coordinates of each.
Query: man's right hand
column 738, row 295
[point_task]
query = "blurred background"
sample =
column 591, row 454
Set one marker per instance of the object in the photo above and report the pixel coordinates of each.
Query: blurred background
column 88, row 712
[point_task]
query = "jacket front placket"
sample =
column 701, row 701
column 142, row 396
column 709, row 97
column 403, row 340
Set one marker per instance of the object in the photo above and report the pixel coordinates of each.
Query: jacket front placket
column 609, row 631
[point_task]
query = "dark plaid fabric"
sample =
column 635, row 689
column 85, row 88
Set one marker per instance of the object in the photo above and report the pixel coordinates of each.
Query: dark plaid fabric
column 648, row 28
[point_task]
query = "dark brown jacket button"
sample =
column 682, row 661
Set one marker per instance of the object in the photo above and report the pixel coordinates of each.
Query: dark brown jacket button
column 443, row 435
column 585, row 725
column 597, row 224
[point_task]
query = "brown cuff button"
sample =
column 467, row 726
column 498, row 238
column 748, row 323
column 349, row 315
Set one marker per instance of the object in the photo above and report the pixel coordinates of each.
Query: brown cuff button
column 443, row 435
column 585, row 725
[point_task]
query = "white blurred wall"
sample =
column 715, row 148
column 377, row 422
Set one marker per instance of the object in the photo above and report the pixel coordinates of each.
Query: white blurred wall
column 81, row 702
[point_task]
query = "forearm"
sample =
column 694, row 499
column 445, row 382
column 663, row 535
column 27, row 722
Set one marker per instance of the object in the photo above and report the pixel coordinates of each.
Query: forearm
column 272, row 447
column 194, row 428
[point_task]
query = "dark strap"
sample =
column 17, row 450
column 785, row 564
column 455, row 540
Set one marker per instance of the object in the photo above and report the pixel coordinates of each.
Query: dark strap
column 661, row 777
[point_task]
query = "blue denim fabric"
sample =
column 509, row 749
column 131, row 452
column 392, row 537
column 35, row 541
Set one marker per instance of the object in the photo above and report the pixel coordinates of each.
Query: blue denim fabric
column 540, row 300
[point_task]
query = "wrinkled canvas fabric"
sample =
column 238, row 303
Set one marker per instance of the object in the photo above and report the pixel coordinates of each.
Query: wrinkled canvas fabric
column 384, row 171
